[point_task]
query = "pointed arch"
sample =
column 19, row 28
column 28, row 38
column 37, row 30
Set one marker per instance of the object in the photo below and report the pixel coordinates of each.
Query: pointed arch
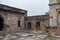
column 37, row 25
column 58, row 18
column 29, row 25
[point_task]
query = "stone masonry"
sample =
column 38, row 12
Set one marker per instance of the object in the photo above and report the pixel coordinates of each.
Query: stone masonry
column 11, row 16
column 15, row 19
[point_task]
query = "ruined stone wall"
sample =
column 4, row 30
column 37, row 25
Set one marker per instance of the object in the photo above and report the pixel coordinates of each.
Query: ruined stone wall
column 21, row 18
column 45, row 25
column 11, row 21
column 13, row 18
column 54, row 12
column 43, row 20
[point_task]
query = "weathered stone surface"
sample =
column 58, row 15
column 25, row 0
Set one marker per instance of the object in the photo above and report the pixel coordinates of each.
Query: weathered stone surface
column 11, row 18
column 28, row 36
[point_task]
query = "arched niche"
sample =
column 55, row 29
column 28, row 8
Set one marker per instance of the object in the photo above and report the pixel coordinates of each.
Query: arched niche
column 37, row 25
column 58, row 18
column 29, row 25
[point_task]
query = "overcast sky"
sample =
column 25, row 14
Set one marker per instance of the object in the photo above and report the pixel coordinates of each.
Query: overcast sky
column 34, row 7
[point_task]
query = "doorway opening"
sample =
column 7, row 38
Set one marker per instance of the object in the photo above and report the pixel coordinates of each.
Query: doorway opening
column 29, row 25
column 1, row 24
column 37, row 25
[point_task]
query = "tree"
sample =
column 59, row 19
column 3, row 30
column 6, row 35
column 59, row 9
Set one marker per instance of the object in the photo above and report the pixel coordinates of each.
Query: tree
column 47, row 13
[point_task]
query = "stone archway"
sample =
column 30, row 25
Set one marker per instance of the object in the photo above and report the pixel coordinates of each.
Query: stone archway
column 29, row 25
column 1, row 24
column 58, row 18
column 37, row 25
column 58, row 24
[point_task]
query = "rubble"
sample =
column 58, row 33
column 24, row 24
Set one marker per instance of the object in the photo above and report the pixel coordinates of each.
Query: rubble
column 26, row 36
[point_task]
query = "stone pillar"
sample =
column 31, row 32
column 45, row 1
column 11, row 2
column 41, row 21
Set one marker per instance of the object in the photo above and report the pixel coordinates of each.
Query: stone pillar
column 33, row 25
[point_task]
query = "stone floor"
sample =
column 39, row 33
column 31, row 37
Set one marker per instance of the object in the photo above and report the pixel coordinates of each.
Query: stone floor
column 26, row 35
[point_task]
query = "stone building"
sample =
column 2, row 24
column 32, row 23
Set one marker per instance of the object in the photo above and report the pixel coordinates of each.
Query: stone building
column 54, row 12
column 14, row 19
column 39, row 22
column 11, row 19
column 54, row 8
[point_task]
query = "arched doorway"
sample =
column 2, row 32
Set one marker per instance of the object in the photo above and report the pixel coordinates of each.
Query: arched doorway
column 1, row 24
column 58, row 18
column 29, row 25
column 58, row 24
column 37, row 25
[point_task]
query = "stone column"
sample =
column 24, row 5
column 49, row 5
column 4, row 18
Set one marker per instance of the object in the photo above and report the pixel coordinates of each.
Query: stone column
column 33, row 25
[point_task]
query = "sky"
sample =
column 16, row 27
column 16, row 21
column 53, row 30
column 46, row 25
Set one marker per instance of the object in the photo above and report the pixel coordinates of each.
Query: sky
column 33, row 7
